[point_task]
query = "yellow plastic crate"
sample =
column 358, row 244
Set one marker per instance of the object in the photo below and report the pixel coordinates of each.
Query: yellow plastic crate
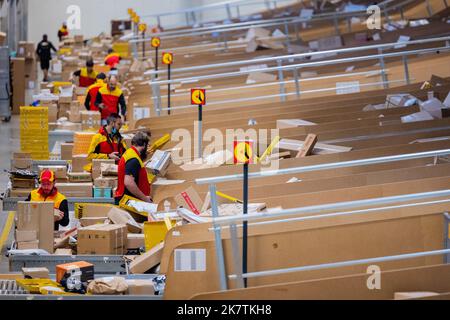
column 155, row 232
column 79, row 208
column 124, row 204
column 34, row 285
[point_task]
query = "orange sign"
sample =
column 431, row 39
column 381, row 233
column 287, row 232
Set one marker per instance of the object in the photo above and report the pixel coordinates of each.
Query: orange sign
column 198, row 97
column 167, row 58
column 156, row 42
column 243, row 152
column 142, row 27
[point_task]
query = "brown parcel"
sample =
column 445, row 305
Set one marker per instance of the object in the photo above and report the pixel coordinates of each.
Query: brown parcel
column 79, row 177
column 135, row 240
column 137, row 287
column 60, row 171
column 66, row 151
column 308, row 146
column 89, row 221
column 21, row 161
column 106, row 182
column 37, row 216
column 96, row 166
column 102, row 239
column 78, row 162
column 190, row 200
column 75, row 190
column 108, row 169
column 93, row 210
column 35, row 273
column 147, row 260
column 28, row 245
column 63, row 252
column 26, row 235
column 119, row 216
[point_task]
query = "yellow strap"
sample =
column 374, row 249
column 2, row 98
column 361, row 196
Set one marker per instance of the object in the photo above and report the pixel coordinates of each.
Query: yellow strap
column 269, row 148
column 168, row 223
column 160, row 142
column 6, row 230
column 225, row 196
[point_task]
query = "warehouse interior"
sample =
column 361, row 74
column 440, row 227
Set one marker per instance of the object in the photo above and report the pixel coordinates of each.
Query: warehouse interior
column 224, row 150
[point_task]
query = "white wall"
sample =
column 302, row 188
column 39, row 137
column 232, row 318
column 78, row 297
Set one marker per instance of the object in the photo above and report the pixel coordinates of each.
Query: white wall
column 46, row 16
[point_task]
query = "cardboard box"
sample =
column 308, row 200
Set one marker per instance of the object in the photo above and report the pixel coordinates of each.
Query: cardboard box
column 79, row 177
column 63, row 109
column 18, row 183
column 26, row 235
column 66, row 151
column 74, row 114
column 86, row 268
column 75, row 190
column 28, row 245
column 21, row 193
column 60, row 171
column 122, row 217
column 106, row 182
column 63, row 252
column 21, row 161
column 37, row 216
column 102, row 239
column 52, row 112
column 92, row 210
column 136, row 240
column 35, row 273
column 17, row 84
column 78, row 162
column 190, row 200
column 26, row 50
column 2, row 38
column 96, row 166
column 139, row 287
column 308, row 146
column 148, row 260
column 90, row 120
column 89, row 221
column 109, row 169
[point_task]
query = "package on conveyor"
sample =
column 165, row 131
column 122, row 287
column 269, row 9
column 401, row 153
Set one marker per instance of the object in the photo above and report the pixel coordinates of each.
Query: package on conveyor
column 34, row 225
column 22, row 181
column 102, row 239
column 159, row 163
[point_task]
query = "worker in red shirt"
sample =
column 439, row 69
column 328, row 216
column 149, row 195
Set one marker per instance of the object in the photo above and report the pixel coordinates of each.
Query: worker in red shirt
column 48, row 192
column 86, row 76
column 132, row 175
column 92, row 91
column 63, row 32
column 112, row 59
column 109, row 98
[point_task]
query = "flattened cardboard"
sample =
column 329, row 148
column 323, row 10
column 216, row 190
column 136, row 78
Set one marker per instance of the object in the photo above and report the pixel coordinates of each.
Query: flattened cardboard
column 147, row 260
column 119, row 216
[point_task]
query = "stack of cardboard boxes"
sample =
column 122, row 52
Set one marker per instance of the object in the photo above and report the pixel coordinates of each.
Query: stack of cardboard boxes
column 104, row 175
column 27, row 50
column 21, row 186
column 34, row 226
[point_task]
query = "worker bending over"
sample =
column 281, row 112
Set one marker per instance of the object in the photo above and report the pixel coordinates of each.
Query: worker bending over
column 112, row 59
column 108, row 142
column 132, row 175
column 63, row 32
column 86, row 76
column 48, row 192
column 92, row 91
column 109, row 98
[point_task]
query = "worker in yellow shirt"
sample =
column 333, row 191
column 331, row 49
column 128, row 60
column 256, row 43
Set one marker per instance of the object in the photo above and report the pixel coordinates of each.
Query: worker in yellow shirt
column 63, row 32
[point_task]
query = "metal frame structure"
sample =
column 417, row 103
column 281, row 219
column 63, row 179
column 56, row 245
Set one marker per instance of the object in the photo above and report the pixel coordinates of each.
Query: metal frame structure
column 380, row 57
column 219, row 221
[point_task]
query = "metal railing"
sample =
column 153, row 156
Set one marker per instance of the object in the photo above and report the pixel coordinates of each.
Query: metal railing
column 380, row 57
column 219, row 221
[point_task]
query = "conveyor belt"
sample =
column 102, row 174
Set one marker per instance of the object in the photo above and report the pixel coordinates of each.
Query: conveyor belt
column 10, row 287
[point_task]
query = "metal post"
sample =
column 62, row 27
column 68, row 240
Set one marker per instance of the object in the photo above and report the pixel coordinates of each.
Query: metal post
column 286, row 30
column 158, row 18
column 402, row 13
column 446, row 237
column 336, row 25
column 168, row 89
column 194, row 17
column 238, row 11
column 349, row 25
column 200, row 134
column 156, row 61
column 297, row 83
column 187, row 19
column 386, row 14
column 297, row 36
column 225, row 41
column 230, row 16
column 237, row 261
column 245, row 227
column 156, row 97
column 382, row 66
column 429, row 8
column 281, row 80
column 143, row 45
column 405, row 65
column 218, row 239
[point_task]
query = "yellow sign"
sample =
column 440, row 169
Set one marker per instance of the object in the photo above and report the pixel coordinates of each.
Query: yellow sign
column 198, row 97
column 243, row 152
column 142, row 27
column 156, row 42
column 130, row 11
column 136, row 19
column 167, row 58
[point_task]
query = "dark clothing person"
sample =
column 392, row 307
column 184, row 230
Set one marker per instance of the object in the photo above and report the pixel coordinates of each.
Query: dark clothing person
column 44, row 51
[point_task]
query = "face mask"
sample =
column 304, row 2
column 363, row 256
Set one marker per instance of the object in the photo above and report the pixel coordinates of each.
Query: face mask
column 114, row 130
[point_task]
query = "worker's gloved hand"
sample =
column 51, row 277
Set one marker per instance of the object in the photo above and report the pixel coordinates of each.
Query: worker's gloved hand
column 114, row 155
column 149, row 199
column 58, row 215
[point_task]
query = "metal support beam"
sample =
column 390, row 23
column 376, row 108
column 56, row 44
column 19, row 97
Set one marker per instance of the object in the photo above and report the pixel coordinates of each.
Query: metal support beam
column 383, row 72
column 281, row 81
column 218, row 239
column 297, row 82
column 405, row 66
column 446, row 237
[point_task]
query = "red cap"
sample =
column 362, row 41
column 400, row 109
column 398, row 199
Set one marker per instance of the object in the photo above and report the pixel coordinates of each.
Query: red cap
column 47, row 175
